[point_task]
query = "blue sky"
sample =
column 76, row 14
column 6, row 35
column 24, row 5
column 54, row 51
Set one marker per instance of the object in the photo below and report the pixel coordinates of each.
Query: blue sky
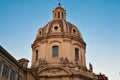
column 97, row 20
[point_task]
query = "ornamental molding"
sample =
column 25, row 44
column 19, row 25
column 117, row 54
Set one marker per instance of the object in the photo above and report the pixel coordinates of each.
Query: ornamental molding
column 54, row 41
column 77, row 44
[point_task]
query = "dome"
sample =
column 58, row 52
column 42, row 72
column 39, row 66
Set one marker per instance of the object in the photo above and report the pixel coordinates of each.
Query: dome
column 59, row 27
column 58, row 39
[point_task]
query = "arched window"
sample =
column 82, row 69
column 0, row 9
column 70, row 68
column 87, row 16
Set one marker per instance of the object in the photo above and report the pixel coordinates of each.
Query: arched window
column 76, row 54
column 36, row 55
column 55, row 51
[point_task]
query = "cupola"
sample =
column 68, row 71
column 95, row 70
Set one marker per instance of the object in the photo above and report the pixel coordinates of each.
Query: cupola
column 59, row 13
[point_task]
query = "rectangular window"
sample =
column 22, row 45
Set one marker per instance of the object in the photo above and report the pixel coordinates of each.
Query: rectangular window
column 36, row 55
column 6, row 71
column 58, row 14
column 62, row 15
column 13, row 75
column 0, row 67
column 76, row 54
column 20, row 77
column 55, row 51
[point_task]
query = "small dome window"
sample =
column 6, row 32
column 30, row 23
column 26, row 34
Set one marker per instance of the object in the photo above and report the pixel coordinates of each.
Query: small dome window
column 56, row 27
column 74, row 31
column 40, row 32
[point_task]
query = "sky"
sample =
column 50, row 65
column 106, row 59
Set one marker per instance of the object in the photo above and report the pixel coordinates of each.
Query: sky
column 97, row 20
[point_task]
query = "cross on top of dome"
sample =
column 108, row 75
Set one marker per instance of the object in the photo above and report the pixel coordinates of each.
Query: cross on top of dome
column 59, row 3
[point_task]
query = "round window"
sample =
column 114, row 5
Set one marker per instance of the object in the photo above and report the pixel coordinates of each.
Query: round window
column 56, row 27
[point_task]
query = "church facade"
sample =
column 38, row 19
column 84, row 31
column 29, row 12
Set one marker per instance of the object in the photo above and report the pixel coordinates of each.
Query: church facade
column 58, row 53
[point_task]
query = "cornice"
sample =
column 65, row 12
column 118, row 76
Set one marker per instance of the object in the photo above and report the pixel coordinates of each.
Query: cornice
column 67, row 37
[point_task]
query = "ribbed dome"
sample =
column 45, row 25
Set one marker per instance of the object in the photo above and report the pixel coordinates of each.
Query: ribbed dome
column 59, row 28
